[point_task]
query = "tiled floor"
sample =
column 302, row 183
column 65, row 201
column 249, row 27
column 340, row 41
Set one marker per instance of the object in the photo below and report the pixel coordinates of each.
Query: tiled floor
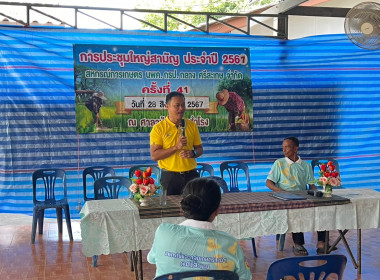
column 55, row 257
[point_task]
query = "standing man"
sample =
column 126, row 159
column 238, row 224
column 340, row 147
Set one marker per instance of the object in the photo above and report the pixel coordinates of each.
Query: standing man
column 291, row 173
column 175, row 143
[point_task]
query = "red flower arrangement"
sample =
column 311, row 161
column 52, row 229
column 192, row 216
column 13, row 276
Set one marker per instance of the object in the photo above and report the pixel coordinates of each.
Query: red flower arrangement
column 143, row 185
column 329, row 177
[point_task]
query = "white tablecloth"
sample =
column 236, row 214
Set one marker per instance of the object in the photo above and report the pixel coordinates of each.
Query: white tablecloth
column 362, row 213
column 114, row 226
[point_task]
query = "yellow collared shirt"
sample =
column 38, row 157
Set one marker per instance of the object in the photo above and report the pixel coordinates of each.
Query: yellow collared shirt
column 166, row 134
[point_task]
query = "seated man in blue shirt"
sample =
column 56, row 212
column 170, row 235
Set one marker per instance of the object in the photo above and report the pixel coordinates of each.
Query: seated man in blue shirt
column 195, row 244
column 291, row 173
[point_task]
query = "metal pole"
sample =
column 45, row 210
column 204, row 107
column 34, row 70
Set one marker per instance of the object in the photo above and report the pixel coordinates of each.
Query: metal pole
column 76, row 19
column 166, row 22
column 359, row 262
column 28, row 15
column 121, row 20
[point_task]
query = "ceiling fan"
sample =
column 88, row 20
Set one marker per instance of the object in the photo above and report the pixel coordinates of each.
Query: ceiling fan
column 362, row 25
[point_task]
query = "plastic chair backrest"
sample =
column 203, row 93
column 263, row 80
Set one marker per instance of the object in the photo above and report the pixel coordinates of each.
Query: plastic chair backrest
column 49, row 178
column 155, row 170
column 205, row 167
column 95, row 172
column 110, row 187
column 319, row 162
column 233, row 167
column 320, row 267
column 222, row 184
column 212, row 274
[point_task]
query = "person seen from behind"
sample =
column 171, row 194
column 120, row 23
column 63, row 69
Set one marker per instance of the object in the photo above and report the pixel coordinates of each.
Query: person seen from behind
column 196, row 244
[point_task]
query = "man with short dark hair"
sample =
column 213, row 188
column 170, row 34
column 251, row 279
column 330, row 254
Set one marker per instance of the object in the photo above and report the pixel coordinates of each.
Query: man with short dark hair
column 175, row 143
column 291, row 173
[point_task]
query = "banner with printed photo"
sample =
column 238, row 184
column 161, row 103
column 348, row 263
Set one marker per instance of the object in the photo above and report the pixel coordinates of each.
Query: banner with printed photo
column 123, row 88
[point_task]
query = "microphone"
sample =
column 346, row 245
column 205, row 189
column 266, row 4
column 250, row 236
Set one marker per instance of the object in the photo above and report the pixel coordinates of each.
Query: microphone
column 183, row 127
column 315, row 193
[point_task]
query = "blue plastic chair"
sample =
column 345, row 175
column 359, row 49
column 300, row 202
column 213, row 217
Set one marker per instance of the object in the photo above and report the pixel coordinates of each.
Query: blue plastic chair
column 95, row 172
column 110, row 187
column 51, row 180
column 205, row 167
column 320, row 267
column 213, row 274
column 222, row 184
column 155, row 170
column 233, row 168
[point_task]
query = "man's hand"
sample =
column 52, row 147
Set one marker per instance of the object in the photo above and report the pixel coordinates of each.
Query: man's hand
column 181, row 143
column 270, row 184
column 158, row 153
column 186, row 153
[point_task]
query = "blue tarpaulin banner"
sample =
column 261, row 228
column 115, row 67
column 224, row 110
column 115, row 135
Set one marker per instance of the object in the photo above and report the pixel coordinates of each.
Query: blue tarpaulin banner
column 323, row 90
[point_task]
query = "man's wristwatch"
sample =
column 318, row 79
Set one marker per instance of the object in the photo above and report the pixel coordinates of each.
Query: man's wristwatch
column 194, row 153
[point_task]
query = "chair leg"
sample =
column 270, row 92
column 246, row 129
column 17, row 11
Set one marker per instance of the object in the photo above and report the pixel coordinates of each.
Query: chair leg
column 95, row 261
column 139, row 270
column 59, row 219
column 136, row 264
column 133, row 263
column 281, row 242
column 41, row 214
column 254, row 247
column 68, row 222
column 34, row 225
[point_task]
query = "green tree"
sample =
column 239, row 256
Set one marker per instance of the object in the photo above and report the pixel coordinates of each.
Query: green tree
column 215, row 6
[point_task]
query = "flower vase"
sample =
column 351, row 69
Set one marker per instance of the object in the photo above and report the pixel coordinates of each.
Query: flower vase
column 143, row 202
column 327, row 191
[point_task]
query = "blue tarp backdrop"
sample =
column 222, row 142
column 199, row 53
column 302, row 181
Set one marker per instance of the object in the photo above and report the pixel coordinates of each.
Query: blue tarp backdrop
column 321, row 89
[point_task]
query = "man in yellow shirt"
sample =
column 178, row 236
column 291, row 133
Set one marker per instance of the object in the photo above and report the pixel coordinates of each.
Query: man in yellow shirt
column 175, row 143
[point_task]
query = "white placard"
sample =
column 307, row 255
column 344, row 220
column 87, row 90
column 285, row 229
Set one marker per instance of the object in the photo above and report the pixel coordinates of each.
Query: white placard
column 158, row 102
